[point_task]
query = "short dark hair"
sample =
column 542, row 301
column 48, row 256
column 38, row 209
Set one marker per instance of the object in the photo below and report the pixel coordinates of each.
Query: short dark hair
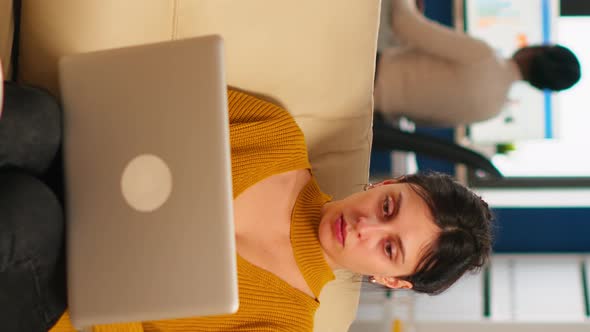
column 553, row 67
column 465, row 239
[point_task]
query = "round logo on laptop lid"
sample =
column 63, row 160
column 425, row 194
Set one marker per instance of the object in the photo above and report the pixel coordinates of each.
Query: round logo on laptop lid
column 146, row 183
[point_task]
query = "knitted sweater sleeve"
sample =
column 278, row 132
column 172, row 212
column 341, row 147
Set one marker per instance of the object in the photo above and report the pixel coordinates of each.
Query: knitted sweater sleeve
column 64, row 325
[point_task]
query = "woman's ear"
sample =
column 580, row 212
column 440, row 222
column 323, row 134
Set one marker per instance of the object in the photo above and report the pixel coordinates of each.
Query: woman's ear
column 393, row 282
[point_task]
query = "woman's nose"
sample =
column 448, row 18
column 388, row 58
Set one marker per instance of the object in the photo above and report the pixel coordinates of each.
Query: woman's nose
column 368, row 227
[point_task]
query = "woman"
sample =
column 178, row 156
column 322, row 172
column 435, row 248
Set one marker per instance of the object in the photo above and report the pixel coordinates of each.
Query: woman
column 420, row 232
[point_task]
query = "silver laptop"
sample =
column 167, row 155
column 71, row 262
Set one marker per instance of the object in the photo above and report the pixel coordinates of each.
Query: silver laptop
column 148, row 183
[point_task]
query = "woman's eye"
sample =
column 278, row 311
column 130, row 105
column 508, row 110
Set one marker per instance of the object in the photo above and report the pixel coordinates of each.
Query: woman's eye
column 388, row 249
column 387, row 207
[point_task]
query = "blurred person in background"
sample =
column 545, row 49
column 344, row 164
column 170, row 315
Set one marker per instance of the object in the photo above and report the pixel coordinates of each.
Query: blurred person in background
column 442, row 77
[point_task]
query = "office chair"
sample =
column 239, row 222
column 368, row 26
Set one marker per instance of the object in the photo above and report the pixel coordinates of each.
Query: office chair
column 388, row 138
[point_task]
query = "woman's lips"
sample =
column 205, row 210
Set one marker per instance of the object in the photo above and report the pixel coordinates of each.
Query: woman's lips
column 339, row 229
column 343, row 228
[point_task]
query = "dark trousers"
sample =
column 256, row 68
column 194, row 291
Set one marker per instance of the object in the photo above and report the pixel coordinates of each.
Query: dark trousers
column 32, row 262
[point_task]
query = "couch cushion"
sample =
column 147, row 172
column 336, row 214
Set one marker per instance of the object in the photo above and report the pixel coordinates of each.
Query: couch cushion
column 6, row 36
column 51, row 29
column 315, row 58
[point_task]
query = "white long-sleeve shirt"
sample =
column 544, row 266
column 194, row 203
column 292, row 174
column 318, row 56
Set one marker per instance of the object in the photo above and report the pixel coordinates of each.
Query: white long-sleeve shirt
column 440, row 76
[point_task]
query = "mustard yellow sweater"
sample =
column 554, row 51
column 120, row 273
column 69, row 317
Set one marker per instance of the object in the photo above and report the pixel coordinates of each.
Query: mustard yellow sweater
column 265, row 140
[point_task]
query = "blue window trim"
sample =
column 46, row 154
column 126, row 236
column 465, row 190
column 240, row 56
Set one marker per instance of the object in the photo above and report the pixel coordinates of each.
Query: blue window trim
column 546, row 13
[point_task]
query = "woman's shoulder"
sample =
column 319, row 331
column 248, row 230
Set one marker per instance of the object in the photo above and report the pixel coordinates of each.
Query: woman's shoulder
column 265, row 140
column 245, row 107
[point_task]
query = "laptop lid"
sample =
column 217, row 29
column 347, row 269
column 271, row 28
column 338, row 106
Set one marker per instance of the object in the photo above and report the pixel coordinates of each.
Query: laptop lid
column 148, row 183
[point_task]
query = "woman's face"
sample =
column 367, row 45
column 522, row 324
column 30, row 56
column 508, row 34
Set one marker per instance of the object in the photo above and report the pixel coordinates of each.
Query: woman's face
column 381, row 232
